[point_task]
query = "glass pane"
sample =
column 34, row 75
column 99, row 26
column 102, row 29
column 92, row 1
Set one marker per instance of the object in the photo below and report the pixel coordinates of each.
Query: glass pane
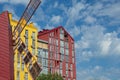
column 62, row 43
column 61, row 36
column 62, row 50
column 67, row 52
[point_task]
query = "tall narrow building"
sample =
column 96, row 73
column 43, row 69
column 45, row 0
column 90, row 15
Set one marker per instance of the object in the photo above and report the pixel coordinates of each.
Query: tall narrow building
column 6, row 48
column 61, row 52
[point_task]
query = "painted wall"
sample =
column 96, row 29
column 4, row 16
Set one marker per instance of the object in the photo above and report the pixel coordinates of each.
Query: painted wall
column 6, row 50
column 19, row 67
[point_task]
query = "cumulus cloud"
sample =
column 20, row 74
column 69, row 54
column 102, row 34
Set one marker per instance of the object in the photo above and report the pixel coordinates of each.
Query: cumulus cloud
column 56, row 19
column 95, row 42
column 90, row 19
column 98, row 73
column 3, row 1
column 24, row 2
column 75, row 31
column 74, row 13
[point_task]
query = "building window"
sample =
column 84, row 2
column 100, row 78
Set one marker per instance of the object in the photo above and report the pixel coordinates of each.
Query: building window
column 62, row 36
column 66, row 45
column 18, row 58
column 33, row 51
column 71, row 67
column 61, row 50
column 26, row 42
column 43, row 62
column 60, row 65
column 22, row 66
column 49, row 40
column 73, row 53
column 33, row 43
column 67, row 73
column 18, row 61
column 62, row 43
column 62, row 57
column 66, row 66
column 67, row 52
column 26, row 38
column 61, row 31
column 26, row 76
column 46, row 54
column 18, row 75
column 61, row 72
column 40, row 60
column 73, row 59
column 67, row 59
column 57, row 42
column 33, row 35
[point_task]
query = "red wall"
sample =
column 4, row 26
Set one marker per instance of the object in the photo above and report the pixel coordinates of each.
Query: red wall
column 6, row 51
column 46, row 36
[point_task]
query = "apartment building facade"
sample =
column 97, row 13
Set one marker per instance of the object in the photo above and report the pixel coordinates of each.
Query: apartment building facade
column 29, row 37
column 61, row 52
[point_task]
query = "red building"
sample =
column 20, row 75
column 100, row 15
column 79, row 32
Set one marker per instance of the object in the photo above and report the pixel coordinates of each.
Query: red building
column 61, row 52
column 6, row 51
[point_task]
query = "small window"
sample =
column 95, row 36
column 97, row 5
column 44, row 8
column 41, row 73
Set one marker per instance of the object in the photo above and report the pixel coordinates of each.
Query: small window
column 73, row 59
column 26, row 33
column 18, row 75
column 66, row 66
column 33, row 35
column 62, row 50
column 62, row 43
column 26, row 76
column 22, row 66
column 33, row 51
column 67, row 52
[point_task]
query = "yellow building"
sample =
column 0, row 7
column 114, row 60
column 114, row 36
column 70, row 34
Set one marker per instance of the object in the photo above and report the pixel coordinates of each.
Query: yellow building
column 29, row 37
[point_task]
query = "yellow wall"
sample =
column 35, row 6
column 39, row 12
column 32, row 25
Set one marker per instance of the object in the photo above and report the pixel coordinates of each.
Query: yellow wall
column 31, row 28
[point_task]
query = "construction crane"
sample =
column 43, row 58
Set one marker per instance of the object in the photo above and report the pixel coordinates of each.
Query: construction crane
column 29, row 60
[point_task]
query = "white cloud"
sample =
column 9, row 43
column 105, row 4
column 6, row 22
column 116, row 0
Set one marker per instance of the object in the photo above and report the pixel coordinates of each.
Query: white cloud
column 94, row 42
column 90, row 19
column 112, row 10
column 3, row 1
column 98, row 73
column 56, row 19
column 19, row 1
column 74, row 31
column 48, row 26
column 105, row 44
column 24, row 2
column 74, row 13
column 55, row 4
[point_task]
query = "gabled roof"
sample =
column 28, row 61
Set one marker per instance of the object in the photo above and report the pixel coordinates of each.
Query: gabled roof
column 45, row 31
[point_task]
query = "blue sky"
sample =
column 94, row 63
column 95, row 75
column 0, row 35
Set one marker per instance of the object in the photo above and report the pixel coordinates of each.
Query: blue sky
column 95, row 26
